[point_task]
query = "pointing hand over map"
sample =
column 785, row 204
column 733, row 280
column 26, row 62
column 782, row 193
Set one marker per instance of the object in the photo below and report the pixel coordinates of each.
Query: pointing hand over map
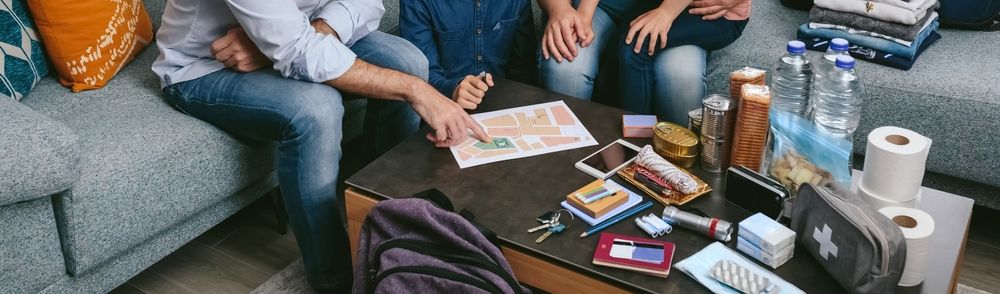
column 450, row 122
column 471, row 90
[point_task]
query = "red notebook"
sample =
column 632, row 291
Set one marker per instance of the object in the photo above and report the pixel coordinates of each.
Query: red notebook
column 637, row 254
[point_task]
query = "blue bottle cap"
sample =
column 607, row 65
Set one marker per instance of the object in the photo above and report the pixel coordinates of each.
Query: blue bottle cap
column 845, row 62
column 796, row 47
column 839, row 44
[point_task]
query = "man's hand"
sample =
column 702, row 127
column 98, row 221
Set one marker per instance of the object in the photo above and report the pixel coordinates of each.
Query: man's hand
column 712, row 9
column 564, row 29
column 653, row 24
column 470, row 91
column 237, row 52
column 450, row 122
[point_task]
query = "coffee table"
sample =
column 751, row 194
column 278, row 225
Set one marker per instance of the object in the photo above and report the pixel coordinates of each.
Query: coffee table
column 507, row 196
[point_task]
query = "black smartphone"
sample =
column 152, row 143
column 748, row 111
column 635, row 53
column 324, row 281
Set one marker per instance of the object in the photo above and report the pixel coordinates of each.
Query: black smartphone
column 755, row 192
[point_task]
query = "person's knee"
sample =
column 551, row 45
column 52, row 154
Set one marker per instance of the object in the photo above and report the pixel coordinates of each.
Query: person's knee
column 316, row 111
column 583, row 67
column 405, row 57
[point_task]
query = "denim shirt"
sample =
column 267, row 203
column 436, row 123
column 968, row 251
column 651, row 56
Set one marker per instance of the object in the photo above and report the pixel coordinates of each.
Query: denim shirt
column 466, row 37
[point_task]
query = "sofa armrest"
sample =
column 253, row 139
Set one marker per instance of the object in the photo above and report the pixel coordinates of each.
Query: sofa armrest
column 38, row 156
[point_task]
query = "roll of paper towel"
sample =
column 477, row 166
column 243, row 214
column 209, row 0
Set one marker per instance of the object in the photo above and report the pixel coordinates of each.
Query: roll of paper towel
column 917, row 228
column 879, row 202
column 894, row 164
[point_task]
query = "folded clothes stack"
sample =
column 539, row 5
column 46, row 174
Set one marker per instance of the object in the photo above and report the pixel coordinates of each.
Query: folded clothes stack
column 887, row 32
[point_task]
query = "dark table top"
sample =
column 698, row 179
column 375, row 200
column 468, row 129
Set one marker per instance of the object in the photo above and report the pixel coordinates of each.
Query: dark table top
column 507, row 196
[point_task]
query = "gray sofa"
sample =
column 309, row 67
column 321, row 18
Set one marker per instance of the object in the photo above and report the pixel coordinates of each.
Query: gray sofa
column 952, row 95
column 97, row 186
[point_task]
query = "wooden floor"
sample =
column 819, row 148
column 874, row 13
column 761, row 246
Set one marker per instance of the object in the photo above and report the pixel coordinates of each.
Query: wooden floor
column 244, row 251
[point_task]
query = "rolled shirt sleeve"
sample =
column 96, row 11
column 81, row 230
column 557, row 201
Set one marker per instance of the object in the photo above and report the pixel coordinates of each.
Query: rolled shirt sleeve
column 352, row 19
column 284, row 35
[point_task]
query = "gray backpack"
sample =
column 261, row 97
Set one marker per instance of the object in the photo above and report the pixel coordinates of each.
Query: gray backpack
column 861, row 248
column 409, row 245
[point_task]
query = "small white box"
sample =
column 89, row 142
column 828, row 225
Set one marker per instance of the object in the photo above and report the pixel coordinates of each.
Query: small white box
column 772, row 260
column 765, row 233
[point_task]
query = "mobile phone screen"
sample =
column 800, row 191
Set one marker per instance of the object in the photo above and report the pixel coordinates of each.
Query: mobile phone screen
column 611, row 157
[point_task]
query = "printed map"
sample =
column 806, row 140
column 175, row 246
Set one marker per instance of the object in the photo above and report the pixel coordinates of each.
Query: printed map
column 522, row 132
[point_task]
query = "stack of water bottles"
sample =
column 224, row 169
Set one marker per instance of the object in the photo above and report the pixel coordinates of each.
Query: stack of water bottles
column 815, row 109
column 828, row 92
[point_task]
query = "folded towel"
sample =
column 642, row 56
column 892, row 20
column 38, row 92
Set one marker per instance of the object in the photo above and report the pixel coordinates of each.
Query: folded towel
column 879, row 10
column 883, row 45
column 864, row 23
column 872, row 55
column 816, row 25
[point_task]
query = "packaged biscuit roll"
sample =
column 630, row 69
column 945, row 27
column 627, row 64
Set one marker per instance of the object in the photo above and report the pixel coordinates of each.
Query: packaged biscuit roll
column 743, row 76
column 751, row 127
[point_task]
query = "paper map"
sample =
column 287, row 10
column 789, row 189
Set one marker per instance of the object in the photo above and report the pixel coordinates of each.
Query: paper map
column 522, row 132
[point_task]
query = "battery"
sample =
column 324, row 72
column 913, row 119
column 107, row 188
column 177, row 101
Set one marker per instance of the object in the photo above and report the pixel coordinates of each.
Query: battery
column 694, row 120
column 714, row 154
column 718, row 118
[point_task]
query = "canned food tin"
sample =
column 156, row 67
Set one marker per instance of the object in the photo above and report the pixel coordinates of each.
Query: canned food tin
column 685, row 161
column 719, row 117
column 675, row 139
column 694, row 120
column 714, row 154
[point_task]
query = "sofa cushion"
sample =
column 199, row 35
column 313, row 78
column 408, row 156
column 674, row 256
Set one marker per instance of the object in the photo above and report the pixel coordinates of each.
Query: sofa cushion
column 144, row 166
column 88, row 41
column 30, row 259
column 22, row 59
column 38, row 156
column 950, row 95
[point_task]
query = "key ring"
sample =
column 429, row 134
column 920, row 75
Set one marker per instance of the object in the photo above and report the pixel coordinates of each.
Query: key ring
column 571, row 217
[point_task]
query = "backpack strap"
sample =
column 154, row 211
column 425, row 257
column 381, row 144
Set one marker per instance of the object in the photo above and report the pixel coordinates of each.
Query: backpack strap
column 442, row 201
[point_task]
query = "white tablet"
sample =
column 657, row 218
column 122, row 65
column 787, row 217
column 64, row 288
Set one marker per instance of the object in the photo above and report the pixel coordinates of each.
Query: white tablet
column 606, row 162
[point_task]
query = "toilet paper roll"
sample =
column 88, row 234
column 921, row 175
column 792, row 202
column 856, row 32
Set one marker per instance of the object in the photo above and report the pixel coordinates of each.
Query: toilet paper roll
column 878, row 202
column 917, row 226
column 894, row 163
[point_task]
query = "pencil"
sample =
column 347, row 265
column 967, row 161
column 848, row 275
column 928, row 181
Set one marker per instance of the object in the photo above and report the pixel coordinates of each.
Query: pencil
column 617, row 218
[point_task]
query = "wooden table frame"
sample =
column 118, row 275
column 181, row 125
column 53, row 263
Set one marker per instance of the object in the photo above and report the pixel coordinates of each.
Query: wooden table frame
column 528, row 269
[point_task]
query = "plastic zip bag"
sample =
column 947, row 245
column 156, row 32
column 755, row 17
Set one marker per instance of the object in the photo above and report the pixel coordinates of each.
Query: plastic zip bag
column 800, row 152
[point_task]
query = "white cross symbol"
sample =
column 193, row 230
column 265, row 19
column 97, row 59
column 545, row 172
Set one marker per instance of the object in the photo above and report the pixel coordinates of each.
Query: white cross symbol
column 826, row 246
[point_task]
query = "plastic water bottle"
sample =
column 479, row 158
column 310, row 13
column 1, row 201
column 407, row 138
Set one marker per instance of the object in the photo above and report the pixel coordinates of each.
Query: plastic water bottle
column 826, row 64
column 792, row 80
column 838, row 101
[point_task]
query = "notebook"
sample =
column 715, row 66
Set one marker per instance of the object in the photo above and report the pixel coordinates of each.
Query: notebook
column 636, row 254
column 602, row 206
column 633, row 200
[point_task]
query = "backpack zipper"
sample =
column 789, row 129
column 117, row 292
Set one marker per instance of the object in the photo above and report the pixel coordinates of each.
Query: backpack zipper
column 431, row 250
column 436, row 272
column 881, row 236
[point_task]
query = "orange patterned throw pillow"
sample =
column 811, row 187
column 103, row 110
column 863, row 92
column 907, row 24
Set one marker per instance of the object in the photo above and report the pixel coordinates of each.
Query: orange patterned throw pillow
column 89, row 41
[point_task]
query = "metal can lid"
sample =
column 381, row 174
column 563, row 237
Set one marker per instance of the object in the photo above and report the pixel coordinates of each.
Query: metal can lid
column 695, row 114
column 719, row 102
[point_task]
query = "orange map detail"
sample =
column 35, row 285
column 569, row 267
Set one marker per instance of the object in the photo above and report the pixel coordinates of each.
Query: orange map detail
column 553, row 141
column 522, row 144
column 504, row 132
column 500, row 121
column 563, row 118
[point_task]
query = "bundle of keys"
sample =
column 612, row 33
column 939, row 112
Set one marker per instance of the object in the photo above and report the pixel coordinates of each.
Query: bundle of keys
column 550, row 223
column 742, row 279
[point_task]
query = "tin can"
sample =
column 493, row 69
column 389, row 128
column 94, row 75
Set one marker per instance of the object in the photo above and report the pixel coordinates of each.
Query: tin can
column 719, row 117
column 675, row 139
column 714, row 154
column 694, row 120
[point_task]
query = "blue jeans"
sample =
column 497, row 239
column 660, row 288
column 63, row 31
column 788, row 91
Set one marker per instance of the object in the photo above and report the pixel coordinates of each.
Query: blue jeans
column 576, row 78
column 305, row 120
column 672, row 80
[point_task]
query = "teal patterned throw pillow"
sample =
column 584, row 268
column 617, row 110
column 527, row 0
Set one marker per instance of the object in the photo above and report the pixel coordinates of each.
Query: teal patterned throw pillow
column 22, row 60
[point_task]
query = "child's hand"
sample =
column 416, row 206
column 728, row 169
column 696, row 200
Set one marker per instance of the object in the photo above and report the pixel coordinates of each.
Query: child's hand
column 653, row 24
column 470, row 91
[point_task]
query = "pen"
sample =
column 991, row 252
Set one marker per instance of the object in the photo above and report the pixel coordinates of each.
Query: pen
column 624, row 215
